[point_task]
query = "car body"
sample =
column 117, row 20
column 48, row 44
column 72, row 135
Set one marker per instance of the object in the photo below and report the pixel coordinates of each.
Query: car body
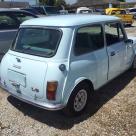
column 55, row 63
column 84, row 10
column 10, row 20
column 132, row 11
column 126, row 18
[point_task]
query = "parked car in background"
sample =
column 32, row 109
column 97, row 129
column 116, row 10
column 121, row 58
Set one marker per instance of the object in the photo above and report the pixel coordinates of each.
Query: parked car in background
column 31, row 10
column 56, row 64
column 47, row 10
column 126, row 18
column 39, row 9
column 10, row 20
column 99, row 11
column 84, row 10
column 132, row 11
column 63, row 12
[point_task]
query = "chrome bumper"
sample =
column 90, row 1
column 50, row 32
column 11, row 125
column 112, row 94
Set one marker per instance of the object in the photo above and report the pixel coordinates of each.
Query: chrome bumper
column 37, row 103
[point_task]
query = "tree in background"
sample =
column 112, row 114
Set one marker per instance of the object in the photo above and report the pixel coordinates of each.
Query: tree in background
column 43, row 1
column 47, row 2
column 53, row 2
column 60, row 3
column 122, row 0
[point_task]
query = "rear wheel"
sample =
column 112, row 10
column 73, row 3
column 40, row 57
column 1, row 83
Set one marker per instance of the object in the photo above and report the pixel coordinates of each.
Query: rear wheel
column 129, row 25
column 134, row 63
column 78, row 100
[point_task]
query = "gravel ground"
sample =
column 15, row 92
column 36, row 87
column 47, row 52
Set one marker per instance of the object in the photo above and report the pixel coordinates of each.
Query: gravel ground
column 112, row 112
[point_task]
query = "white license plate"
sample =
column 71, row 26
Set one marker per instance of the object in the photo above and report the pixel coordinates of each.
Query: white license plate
column 17, row 77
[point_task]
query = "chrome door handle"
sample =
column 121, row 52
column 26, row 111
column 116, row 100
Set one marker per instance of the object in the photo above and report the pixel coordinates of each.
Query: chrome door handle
column 16, row 85
column 112, row 53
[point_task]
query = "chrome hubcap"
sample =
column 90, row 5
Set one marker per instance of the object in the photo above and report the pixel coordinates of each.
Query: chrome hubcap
column 80, row 100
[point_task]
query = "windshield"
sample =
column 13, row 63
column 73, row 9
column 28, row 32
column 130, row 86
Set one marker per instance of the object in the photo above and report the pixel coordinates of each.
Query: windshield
column 52, row 10
column 40, row 10
column 132, row 10
column 35, row 41
column 85, row 11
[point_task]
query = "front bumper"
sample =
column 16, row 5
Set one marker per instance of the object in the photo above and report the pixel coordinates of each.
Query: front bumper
column 37, row 103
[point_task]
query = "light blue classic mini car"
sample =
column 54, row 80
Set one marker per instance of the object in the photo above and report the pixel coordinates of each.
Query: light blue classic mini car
column 57, row 61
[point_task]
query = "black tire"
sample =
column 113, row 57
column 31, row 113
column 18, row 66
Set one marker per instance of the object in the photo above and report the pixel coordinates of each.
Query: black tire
column 134, row 64
column 70, row 109
column 129, row 25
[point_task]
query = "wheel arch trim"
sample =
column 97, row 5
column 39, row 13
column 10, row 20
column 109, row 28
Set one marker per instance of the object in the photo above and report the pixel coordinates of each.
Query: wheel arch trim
column 77, row 82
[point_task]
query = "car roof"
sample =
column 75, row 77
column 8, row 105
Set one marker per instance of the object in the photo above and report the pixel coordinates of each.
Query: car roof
column 131, row 8
column 68, row 20
column 14, row 10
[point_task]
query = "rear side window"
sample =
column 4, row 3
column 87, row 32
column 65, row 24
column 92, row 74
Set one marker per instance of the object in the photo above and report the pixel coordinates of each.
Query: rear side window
column 36, row 41
column 89, row 39
column 114, row 33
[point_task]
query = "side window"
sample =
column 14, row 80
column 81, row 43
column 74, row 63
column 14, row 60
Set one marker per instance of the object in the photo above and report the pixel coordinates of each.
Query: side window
column 7, row 22
column 89, row 39
column 114, row 33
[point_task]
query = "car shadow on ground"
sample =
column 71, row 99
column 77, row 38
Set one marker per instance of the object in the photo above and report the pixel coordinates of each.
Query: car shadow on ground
column 129, row 26
column 58, row 120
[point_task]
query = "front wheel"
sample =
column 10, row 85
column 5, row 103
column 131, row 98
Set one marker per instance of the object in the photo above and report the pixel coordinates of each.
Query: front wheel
column 78, row 100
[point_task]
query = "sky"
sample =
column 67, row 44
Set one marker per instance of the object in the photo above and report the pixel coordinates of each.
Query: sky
column 130, row 0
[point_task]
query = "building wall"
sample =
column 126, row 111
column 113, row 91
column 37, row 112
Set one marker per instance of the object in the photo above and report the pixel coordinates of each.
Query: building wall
column 31, row 2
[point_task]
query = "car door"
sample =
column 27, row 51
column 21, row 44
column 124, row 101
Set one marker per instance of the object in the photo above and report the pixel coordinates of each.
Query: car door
column 116, row 48
column 129, row 55
column 90, row 58
column 8, row 29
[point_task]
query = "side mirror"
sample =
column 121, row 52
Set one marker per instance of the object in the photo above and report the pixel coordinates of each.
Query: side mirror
column 129, row 41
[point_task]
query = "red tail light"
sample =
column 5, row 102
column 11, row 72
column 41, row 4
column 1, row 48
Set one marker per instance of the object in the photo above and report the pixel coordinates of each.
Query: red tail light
column 51, row 90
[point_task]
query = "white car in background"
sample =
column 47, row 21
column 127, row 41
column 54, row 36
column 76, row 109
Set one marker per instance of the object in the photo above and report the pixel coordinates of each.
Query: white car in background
column 84, row 10
column 132, row 11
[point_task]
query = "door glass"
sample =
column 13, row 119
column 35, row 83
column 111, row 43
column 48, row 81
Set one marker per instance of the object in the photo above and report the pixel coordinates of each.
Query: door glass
column 114, row 33
column 88, row 39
